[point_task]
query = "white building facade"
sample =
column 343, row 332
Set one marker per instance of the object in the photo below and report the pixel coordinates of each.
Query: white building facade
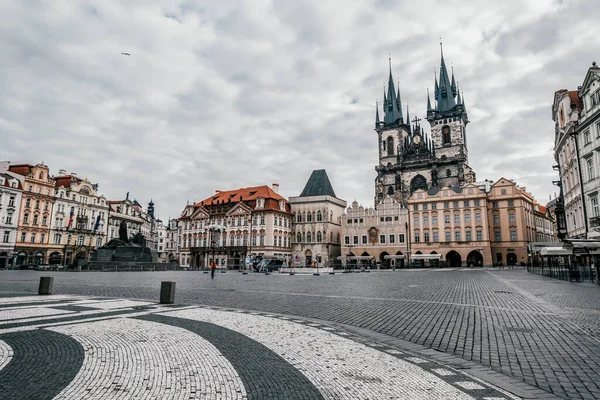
column 79, row 220
column 11, row 189
column 588, row 135
column 565, row 113
column 317, row 223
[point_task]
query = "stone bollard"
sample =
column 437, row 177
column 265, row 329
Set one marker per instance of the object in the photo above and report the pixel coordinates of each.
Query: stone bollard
column 46, row 283
column 167, row 292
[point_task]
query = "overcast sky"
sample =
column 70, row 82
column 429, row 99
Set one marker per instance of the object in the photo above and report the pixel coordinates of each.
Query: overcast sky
column 221, row 95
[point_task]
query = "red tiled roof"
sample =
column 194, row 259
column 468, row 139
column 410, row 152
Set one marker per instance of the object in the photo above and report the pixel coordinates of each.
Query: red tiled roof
column 65, row 181
column 575, row 99
column 114, row 201
column 21, row 169
column 249, row 193
column 542, row 209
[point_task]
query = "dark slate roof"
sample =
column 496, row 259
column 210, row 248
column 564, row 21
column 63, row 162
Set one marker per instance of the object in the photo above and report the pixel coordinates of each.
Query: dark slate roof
column 318, row 185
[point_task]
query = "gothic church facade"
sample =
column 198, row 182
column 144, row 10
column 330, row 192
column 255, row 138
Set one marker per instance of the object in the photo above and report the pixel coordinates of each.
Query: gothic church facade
column 409, row 159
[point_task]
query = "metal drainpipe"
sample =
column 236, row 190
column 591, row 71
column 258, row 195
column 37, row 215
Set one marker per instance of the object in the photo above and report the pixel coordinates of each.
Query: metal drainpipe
column 585, row 218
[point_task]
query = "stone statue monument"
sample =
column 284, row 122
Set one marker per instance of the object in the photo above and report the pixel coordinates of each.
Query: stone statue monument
column 123, row 232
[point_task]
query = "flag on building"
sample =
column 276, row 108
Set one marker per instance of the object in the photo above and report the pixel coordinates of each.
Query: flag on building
column 71, row 217
column 97, row 223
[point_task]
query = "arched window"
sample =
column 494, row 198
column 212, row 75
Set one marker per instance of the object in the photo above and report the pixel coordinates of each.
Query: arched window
column 319, row 237
column 331, row 236
column 309, row 217
column 390, row 146
column 448, row 172
column 446, row 134
column 390, row 190
column 299, row 237
column 319, row 216
column 308, row 237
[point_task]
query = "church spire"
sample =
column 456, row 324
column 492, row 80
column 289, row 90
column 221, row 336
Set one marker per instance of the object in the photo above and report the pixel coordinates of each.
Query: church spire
column 407, row 115
column 436, row 92
column 453, row 84
column 446, row 97
column 458, row 100
column 390, row 106
column 428, row 101
column 399, row 102
column 377, row 114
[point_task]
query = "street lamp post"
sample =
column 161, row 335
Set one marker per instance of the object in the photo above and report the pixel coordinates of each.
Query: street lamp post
column 213, row 229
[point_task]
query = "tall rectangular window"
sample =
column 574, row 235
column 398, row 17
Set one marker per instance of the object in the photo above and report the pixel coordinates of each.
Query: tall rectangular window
column 479, row 235
column 23, row 237
column 42, row 238
column 382, row 239
column 467, row 204
column 595, row 210
column 457, row 218
column 496, row 219
column 513, row 236
column 455, row 204
column 512, row 218
column 590, row 168
column 446, row 205
column 417, row 237
column 446, row 218
column 416, row 220
column 448, row 236
column 401, row 238
column 586, row 138
column 426, row 237
column 468, row 236
column 511, row 203
column 477, row 217
column 434, row 220
column 355, row 239
column 392, row 238
column 457, row 236
column 262, row 240
column 346, row 239
column 6, row 237
column 365, row 239
column 467, row 218
column 33, row 238
column 434, row 206
column 497, row 236
column 425, row 220
column 477, row 202
column 436, row 236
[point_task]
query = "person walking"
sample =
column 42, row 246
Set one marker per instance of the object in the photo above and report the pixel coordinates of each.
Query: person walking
column 213, row 267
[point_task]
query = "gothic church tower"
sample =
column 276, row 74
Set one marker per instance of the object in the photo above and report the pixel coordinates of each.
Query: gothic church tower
column 408, row 158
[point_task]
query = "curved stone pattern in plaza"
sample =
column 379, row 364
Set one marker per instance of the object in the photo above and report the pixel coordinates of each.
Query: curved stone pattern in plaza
column 78, row 347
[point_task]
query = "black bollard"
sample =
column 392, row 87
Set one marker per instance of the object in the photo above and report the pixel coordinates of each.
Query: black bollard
column 167, row 292
column 46, row 283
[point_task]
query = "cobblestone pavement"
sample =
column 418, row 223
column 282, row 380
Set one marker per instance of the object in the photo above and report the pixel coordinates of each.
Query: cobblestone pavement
column 536, row 330
column 72, row 347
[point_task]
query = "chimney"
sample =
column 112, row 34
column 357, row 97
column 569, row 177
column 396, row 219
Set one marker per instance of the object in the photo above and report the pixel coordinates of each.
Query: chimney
column 62, row 172
column 276, row 188
column 74, row 174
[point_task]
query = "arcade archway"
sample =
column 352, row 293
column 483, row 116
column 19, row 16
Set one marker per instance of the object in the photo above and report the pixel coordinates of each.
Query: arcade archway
column 454, row 259
column 475, row 259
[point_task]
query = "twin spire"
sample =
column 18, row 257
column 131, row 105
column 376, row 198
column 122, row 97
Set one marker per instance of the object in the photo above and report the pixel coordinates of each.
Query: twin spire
column 446, row 95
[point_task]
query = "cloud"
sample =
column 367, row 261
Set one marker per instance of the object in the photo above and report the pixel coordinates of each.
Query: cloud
column 218, row 96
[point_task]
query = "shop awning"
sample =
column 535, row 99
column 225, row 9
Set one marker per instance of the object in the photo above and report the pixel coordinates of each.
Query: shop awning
column 394, row 257
column 555, row 251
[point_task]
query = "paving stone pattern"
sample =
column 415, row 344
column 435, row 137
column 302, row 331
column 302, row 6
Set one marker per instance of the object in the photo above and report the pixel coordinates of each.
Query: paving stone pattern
column 196, row 352
column 536, row 329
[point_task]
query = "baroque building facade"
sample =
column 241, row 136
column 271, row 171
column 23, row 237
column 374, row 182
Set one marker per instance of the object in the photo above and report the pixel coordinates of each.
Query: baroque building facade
column 233, row 226
column 11, row 188
column 316, row 222
column 36, row 209
column 409, row 159
column 79, row 219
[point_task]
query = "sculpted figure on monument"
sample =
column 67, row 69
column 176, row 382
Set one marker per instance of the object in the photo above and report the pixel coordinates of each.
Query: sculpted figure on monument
column 123, row 232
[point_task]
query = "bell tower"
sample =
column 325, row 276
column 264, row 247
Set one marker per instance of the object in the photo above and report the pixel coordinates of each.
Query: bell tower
column 448, row 120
